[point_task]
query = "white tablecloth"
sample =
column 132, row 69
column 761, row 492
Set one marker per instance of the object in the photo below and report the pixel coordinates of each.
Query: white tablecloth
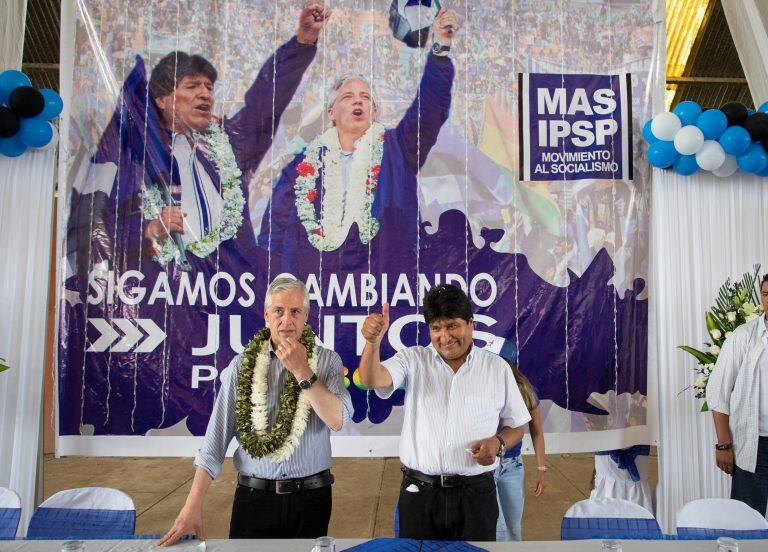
column 343, row 544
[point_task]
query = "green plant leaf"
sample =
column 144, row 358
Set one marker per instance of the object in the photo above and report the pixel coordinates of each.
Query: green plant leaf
column 703, row 358
column 3, row 367
column 704, row 407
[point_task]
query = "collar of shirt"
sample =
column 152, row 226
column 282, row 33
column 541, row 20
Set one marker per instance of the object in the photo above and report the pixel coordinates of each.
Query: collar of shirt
column 467, row 361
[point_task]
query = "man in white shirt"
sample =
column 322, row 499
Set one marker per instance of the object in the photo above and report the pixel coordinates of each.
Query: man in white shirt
column 737, row 395
column 456, row 397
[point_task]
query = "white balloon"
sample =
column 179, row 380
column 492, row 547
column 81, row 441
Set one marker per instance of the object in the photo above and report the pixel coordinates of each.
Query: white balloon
column 665, row 125
column 689, row 140
column 728, row 167
column 711, row 156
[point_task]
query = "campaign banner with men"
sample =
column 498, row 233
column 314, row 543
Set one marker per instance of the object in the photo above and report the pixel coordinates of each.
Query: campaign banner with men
column 205, row 152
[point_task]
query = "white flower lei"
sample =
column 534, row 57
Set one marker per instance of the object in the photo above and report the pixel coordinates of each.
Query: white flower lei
column 364, row 170
column 260, row 412
column 219, row 150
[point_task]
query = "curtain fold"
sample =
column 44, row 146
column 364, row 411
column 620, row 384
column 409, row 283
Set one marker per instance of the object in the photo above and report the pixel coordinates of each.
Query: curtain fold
column 748, row 21
column 704, row 229
column 26, row 217
column 12, row 18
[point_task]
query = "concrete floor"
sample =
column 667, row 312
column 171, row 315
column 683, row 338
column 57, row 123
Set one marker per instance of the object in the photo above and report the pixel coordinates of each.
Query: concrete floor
column 364, row 495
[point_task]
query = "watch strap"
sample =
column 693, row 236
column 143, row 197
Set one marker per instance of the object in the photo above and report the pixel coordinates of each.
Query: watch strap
column 306, row 384
column 727, row 446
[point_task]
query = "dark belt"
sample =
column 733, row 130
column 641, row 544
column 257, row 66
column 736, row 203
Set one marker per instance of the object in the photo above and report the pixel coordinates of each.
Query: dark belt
column 444, row 480
column 287, row 486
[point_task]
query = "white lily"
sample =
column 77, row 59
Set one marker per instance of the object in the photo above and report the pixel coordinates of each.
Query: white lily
column 715, row 350
column 716, row 334
column 731, row 316
column 701, row 382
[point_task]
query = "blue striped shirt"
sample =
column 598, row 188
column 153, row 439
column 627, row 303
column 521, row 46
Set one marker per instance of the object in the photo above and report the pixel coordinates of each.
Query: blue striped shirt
column 313, row 454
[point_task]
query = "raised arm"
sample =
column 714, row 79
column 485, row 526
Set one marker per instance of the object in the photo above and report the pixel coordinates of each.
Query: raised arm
column 372, row 373
column 418, row 129
column 252, row 128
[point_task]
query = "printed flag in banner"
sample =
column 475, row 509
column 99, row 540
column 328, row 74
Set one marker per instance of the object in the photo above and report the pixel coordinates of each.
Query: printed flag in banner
column 575, row 127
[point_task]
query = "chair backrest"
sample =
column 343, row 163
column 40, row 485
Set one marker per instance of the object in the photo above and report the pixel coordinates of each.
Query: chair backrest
column 597, row 518
column 714, row 517
column 10, row 513
column 85, row 513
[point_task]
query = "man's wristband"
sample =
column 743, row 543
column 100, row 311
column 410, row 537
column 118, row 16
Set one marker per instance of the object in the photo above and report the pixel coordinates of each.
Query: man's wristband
column 502, row 446
column 727, row 446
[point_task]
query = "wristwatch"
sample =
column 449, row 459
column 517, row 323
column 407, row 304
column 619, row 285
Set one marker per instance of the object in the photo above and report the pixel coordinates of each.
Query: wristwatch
column 727, row 446
column 306, row 384
column 502, row 446
column 438, row 48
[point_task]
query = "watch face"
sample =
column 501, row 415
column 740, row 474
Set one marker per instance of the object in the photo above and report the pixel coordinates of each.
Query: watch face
column 436, row 48
column 304, row 384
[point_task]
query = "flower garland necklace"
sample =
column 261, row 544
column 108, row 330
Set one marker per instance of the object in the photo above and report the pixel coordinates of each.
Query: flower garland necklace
column 365, row 167
column 215, row 143
column 251, row 406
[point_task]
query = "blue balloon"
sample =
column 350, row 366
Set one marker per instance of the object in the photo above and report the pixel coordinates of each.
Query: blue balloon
column 686, row 165
column 735, row 140
column 764, row 172
column 647, row 134
column 754, row 159
column 9, row 80
column 12, row 147
column 53, row 104
column 688, row 112
column 35, row 132
column 750, row 111
column 763, row 107
column 712, row 123
column 662, row 154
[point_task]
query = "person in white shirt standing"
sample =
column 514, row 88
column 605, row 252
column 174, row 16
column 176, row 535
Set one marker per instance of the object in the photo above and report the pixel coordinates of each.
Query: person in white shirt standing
column 737, row 395
column 456, row 397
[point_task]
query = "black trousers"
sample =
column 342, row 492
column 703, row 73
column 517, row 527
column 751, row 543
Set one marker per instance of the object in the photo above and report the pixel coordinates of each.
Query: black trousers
column 752, row 488
column 258, row 514
column 448, row 513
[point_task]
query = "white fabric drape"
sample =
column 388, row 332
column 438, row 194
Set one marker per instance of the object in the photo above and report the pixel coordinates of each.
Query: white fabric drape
column 26, row 216
column 704, row 230
column 748, row 21
column 13, row 15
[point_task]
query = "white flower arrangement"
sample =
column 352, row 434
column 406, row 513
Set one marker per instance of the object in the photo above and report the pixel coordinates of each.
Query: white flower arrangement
column 217, row 146
column 324, row 154
column 736, row 304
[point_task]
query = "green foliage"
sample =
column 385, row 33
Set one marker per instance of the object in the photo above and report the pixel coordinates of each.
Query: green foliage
column 737, row 303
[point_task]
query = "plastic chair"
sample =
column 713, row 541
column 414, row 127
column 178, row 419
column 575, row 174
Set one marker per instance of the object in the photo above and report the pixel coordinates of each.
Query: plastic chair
column 85, row 513
column 710, row 518
column 597, row 518
column 10, row 513
column 623, row 473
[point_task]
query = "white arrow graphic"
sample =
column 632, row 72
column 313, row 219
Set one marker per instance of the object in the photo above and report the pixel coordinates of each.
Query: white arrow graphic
column 131, row 338
column 155, row 337
column 108, row 335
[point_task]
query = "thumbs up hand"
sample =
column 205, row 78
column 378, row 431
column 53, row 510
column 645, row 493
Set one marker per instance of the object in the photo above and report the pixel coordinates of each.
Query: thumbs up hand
column 375, row 326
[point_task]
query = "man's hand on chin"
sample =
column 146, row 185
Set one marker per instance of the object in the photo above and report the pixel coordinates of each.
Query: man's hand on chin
column 293, row 355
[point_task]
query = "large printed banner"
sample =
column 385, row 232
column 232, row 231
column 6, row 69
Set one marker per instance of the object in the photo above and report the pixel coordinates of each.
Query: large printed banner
column 530, row 195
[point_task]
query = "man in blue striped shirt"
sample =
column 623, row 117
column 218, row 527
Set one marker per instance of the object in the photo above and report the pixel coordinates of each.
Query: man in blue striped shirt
column 288, row 498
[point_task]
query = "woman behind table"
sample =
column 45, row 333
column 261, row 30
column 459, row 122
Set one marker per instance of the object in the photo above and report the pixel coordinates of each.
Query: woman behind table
column 510, row 475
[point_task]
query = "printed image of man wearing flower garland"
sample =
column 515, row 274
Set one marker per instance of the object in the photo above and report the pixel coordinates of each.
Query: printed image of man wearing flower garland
column 280, row 399
column 358, row 179
column 168, row 181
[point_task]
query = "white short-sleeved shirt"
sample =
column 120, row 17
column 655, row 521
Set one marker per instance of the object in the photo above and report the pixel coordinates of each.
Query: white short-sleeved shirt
column 445, row 412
